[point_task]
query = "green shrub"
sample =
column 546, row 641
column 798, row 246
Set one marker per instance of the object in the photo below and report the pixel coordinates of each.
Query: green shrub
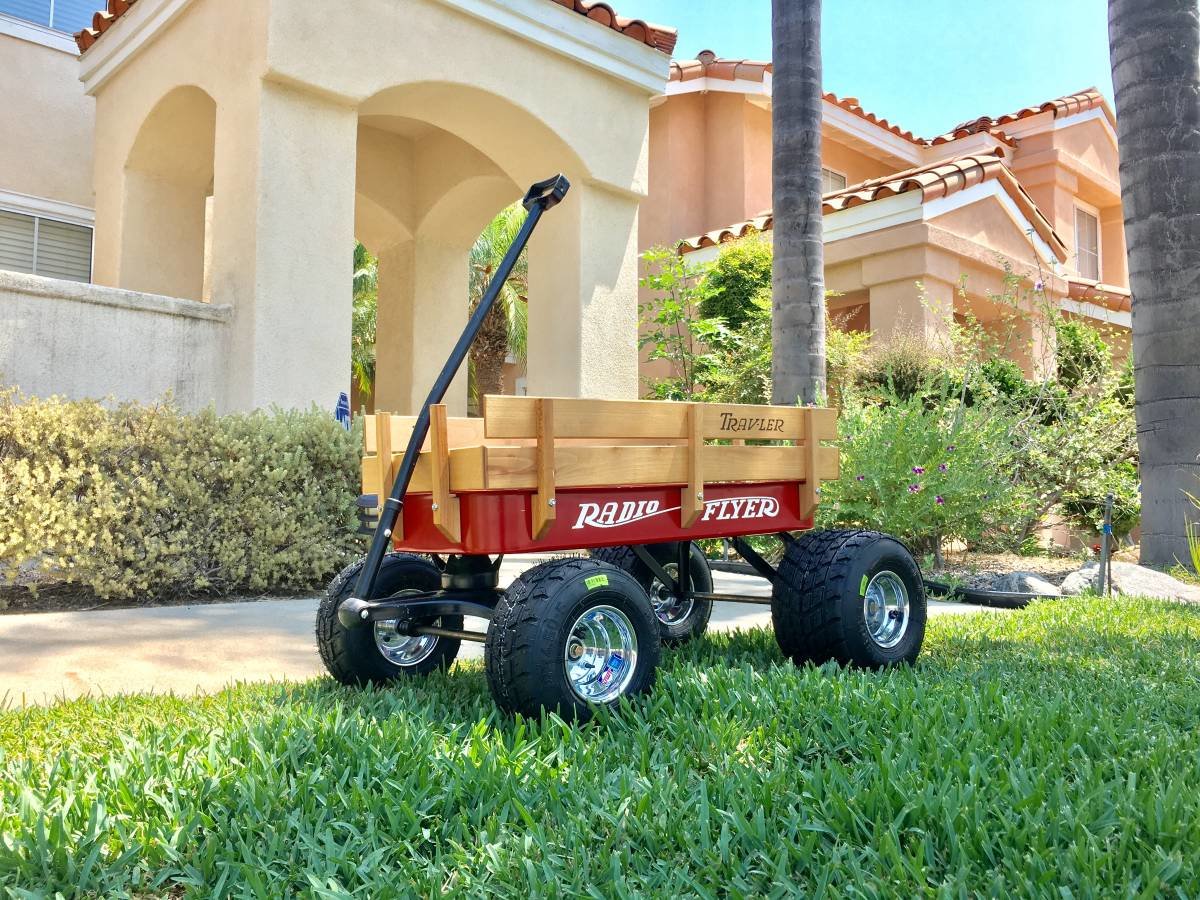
column 737, row 277
column 1081, row 353
column 924, row 473
column 905, row 366
column 146, row 501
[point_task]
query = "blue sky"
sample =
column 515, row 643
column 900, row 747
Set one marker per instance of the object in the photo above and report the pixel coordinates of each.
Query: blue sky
column 924, row 64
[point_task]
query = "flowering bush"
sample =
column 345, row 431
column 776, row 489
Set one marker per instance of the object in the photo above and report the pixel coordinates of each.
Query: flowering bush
column 926, row 474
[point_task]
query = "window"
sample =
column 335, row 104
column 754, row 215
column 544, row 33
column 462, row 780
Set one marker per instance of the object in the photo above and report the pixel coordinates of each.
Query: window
column 1087, row 244
column 45, row 247
column 61, row 15
column 832, row 181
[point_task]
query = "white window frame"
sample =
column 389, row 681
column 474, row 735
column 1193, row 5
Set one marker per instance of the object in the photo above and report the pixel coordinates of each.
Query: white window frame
column 24, row 30
column 1081, row 206
column 39, row 208
column 833, row 171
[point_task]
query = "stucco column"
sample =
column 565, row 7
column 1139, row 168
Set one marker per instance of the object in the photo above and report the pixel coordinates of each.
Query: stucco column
column 283, row 231
column 583, row 297
column 422, row 311
column 925, row 309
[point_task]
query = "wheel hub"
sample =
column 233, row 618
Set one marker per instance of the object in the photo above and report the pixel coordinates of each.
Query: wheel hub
column 668, row 608
column 886, row 609
column 600, row 656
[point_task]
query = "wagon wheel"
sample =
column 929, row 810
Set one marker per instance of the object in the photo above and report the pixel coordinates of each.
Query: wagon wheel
column 382, row 653
column 680, row 620
column 569, row 636
column 854, row 597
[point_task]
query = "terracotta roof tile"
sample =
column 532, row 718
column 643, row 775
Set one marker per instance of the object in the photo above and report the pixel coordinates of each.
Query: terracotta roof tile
column 1107, row 295
column 934, row 180
column 851, row 105
column 1060, row 106
column 660, row 37
column 709, row 65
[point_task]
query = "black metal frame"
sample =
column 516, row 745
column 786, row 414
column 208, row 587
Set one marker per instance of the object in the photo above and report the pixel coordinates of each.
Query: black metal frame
column 683, row 563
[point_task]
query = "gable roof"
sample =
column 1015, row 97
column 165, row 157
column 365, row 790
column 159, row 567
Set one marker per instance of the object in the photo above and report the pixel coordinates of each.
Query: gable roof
column 1067, row 105
column 660, row 37
column 708, row 65
column 934, row 180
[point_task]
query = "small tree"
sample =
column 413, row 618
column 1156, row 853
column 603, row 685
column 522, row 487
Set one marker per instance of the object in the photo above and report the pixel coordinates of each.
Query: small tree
column 671, row 325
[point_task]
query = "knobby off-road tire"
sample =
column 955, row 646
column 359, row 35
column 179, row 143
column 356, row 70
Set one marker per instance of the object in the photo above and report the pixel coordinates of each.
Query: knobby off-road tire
column 568, row 636
column 375, row 653
column 854, row 597
column 676, row 625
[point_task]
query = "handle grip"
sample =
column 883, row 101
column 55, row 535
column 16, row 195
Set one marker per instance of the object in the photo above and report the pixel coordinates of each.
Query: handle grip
column 547, row 194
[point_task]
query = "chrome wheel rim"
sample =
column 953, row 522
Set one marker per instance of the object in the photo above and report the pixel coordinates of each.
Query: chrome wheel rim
column 668, row 608
column 403, row 650
column 600, row 655
column 886, row 609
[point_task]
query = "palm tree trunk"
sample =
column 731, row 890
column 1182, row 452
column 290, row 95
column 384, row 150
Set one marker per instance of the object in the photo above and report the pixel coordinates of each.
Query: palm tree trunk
column 1153, row 48
column 798, row 301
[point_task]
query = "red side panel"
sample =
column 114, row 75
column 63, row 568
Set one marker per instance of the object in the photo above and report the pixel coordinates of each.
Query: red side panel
column 495, row 523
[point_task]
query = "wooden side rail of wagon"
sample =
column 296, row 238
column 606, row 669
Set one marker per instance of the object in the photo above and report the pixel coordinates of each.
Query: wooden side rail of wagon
column 537, row 446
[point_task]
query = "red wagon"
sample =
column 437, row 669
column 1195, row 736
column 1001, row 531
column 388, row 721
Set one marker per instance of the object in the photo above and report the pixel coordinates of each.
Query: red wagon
column 636, row 483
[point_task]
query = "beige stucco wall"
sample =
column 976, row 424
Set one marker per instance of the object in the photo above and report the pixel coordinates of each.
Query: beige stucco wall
column 46, row 123
column 854, row 164
column 78, row 340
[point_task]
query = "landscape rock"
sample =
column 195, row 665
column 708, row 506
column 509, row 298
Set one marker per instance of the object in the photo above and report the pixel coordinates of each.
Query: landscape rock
column 1132, row 580
column 1080, row 580
column 1025, row 583
column 1135, row 580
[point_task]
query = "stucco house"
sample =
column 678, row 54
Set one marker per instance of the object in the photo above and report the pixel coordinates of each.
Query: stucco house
column 180, row 181
column 1036, row 188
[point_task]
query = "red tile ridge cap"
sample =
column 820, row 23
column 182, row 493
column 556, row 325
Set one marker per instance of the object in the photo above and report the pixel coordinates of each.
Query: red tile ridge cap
column 708, row 65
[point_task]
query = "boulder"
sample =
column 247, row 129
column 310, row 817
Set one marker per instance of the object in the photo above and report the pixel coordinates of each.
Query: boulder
column 1081, row 580
column 1139, row 581
column 1132, row 580
column 1025, row 583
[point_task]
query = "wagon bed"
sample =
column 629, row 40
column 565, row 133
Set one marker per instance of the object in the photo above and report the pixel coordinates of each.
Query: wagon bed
column 544, row 474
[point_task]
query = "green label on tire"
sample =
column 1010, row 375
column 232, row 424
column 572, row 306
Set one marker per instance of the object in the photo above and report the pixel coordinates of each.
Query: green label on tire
column 862, row 587
column 596, row 581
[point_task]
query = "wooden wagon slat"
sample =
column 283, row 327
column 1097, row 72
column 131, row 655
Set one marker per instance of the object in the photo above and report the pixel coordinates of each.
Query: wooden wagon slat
column 515, row 417
column 515, row 468
column 445, row 505
column 544, row 502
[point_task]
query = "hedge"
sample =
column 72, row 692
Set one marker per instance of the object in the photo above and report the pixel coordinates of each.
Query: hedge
column 145, row 501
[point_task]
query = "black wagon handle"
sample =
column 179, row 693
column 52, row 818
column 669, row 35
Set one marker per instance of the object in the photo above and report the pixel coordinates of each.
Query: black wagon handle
column 541, row 196
column 546, row 194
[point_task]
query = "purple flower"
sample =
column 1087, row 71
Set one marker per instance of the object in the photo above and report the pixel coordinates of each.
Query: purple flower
column 914, row 488
column 950, row 449
column 918, row 470
column 939, row 500
column 1037, row 285
column 861, row 478
column 943, row 467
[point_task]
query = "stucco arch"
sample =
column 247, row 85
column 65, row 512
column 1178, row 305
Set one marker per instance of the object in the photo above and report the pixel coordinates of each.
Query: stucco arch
column 512, row 137
column 168, row 178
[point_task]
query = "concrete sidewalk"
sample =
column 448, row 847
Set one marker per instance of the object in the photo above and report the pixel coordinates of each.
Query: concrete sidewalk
column 182, row 649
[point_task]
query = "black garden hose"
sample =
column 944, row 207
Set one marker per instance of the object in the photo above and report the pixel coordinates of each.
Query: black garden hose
column 1000, row 599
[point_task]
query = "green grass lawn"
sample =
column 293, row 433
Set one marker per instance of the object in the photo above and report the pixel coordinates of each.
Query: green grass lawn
column 1050, row 751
